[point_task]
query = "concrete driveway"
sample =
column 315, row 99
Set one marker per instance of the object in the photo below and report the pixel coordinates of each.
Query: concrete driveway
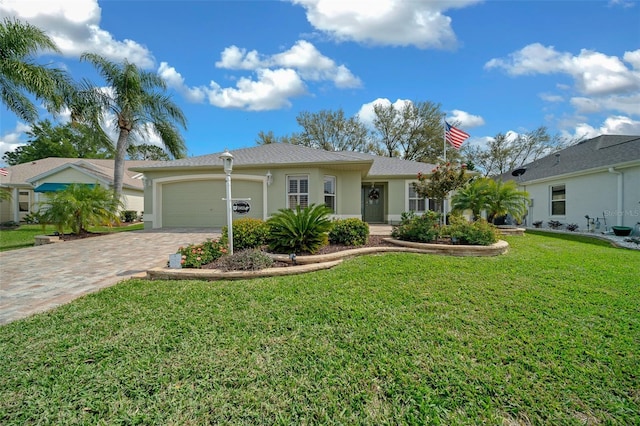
column 39, row 278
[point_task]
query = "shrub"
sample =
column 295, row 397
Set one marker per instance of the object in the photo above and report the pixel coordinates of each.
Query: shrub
column 300, row 230
column 245, row 260
column 247, row 233
column 537, row 223
column 572, row 227
column 422, row 229
column 128, row 215
column 554, row 224
column 79, row 206
column 480, row 232
column 349, row 232
column 196, row 255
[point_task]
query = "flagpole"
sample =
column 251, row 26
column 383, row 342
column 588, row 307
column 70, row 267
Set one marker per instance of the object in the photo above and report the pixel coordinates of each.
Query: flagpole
column 444, row 150
column 444, row 136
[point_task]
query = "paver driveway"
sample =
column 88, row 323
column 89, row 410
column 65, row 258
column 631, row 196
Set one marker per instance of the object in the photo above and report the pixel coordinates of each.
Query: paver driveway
column 39, row 278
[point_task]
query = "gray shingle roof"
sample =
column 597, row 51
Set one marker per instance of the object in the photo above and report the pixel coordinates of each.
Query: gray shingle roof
column 600, row 152
column 282, row 154
column 20, row 174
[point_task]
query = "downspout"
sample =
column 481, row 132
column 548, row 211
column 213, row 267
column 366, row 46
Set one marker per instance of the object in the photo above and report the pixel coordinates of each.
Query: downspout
column 16, row 204
column 619, row 213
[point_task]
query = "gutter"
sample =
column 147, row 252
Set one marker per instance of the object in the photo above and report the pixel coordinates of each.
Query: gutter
column 620, row 194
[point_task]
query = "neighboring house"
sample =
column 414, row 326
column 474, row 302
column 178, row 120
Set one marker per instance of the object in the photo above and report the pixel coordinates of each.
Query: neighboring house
column 29, row 183
column 189, row 192
column 599, row 178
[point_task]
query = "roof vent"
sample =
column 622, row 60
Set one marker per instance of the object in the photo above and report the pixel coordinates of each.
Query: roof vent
column 557, row 157
column 519, row 172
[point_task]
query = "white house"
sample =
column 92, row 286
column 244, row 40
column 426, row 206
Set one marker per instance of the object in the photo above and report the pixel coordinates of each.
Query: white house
column 598, row 178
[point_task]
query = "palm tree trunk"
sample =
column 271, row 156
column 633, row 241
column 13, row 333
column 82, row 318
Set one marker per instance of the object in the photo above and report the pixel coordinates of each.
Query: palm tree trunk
column 118, row 167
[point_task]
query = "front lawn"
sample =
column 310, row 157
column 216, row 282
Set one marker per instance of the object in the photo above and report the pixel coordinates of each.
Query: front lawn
column 546, row 334
column 24, row 235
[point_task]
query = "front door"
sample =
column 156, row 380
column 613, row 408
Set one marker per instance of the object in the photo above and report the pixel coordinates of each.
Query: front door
column 373, row 203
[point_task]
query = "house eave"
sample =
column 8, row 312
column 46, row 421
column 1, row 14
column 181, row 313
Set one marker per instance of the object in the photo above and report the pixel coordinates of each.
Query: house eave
column 579, row 173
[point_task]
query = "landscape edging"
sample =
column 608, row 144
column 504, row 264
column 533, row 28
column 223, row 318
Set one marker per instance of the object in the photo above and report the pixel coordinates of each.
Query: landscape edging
column 313, row 263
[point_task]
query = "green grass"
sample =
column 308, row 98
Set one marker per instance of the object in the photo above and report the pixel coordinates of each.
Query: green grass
column 23, row 236
column 546, row 334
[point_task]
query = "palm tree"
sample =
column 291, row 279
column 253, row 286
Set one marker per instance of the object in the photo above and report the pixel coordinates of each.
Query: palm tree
column 505, row 198
column 137, row 101
column 474, row 196
column 20, row 76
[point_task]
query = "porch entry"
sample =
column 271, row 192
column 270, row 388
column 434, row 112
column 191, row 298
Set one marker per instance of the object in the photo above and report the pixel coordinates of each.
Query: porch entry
column 373, row 203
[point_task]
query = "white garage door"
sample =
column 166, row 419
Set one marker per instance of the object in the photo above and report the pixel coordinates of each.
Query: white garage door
column 199, row 203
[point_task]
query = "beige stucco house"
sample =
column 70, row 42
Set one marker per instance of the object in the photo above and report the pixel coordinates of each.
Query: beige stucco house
column 598, row 177
column 29, row 183
column 189, row 192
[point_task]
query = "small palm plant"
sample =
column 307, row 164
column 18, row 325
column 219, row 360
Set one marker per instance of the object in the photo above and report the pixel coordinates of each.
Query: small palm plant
column 505, row 198
column 300, row 230
column 80, row 206
column 474, row 196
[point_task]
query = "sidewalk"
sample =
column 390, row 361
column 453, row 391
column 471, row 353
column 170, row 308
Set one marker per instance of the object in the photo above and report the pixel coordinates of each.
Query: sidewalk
column 40, row 278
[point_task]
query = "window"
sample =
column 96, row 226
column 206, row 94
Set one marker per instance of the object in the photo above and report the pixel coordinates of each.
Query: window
column 297, row 191
column 416, row 203
column 23, row 201
column 330, row 192
column 558, row 200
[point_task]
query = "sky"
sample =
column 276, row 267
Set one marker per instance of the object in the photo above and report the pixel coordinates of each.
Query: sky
column 237, row 68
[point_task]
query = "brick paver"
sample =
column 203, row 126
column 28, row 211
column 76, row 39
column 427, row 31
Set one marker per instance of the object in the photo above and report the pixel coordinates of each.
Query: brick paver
column 40, row 278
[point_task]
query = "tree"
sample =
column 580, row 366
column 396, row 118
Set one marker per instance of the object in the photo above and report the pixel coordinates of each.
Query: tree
column 147, row 152
column 504, row 153
column 269, row 138
column 474, row 196
column 67, row 141
column 20, row 76
column 442, row 180
column 80, row 206
column 137, row 101
column 331, row 131
column 412, row 132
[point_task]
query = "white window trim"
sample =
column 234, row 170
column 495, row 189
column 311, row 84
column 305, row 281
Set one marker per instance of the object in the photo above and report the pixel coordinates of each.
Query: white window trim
column 335, row 191
column 408, row 186
column 288, row 194
column 551, row 200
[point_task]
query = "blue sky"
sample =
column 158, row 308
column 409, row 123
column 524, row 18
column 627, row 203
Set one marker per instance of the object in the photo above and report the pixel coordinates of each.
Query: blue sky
column 240, row 67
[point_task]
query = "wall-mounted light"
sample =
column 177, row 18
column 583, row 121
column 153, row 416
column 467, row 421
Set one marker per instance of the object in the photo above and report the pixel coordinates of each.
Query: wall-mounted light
column 269, row 178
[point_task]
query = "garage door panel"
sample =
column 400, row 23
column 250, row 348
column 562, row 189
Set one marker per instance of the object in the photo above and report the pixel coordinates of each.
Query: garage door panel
column 200, row 203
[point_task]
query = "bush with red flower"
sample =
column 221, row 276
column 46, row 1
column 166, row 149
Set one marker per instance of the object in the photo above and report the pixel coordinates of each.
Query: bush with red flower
column 196, row 255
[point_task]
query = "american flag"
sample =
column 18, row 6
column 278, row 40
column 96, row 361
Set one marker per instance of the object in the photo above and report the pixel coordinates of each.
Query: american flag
column 4, row 172
column 455, row 136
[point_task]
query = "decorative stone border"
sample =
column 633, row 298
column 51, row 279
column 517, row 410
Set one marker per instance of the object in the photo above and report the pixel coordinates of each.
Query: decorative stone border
column 306, row 264
column 510, row 230
column 41, row 240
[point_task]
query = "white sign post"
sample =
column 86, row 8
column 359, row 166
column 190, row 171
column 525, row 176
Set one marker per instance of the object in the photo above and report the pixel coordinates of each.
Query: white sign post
column 227, row 163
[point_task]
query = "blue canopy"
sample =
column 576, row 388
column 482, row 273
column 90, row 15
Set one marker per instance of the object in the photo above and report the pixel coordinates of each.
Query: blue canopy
column 54, row 187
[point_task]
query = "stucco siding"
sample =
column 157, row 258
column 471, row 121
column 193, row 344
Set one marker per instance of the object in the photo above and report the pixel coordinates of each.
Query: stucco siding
column 595, row 195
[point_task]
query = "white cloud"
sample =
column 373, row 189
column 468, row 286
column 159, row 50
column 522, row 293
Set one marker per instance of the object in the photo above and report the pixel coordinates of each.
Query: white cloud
column 302, row 57
column 271, row 90
column 551, row 97
column 614, row 125
column 278, row 77
column 11, row 140
column 366, row 114
column 75, row 27
column 420, row 23
column 465, row 119
column 594, row 73
column 175, row 80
